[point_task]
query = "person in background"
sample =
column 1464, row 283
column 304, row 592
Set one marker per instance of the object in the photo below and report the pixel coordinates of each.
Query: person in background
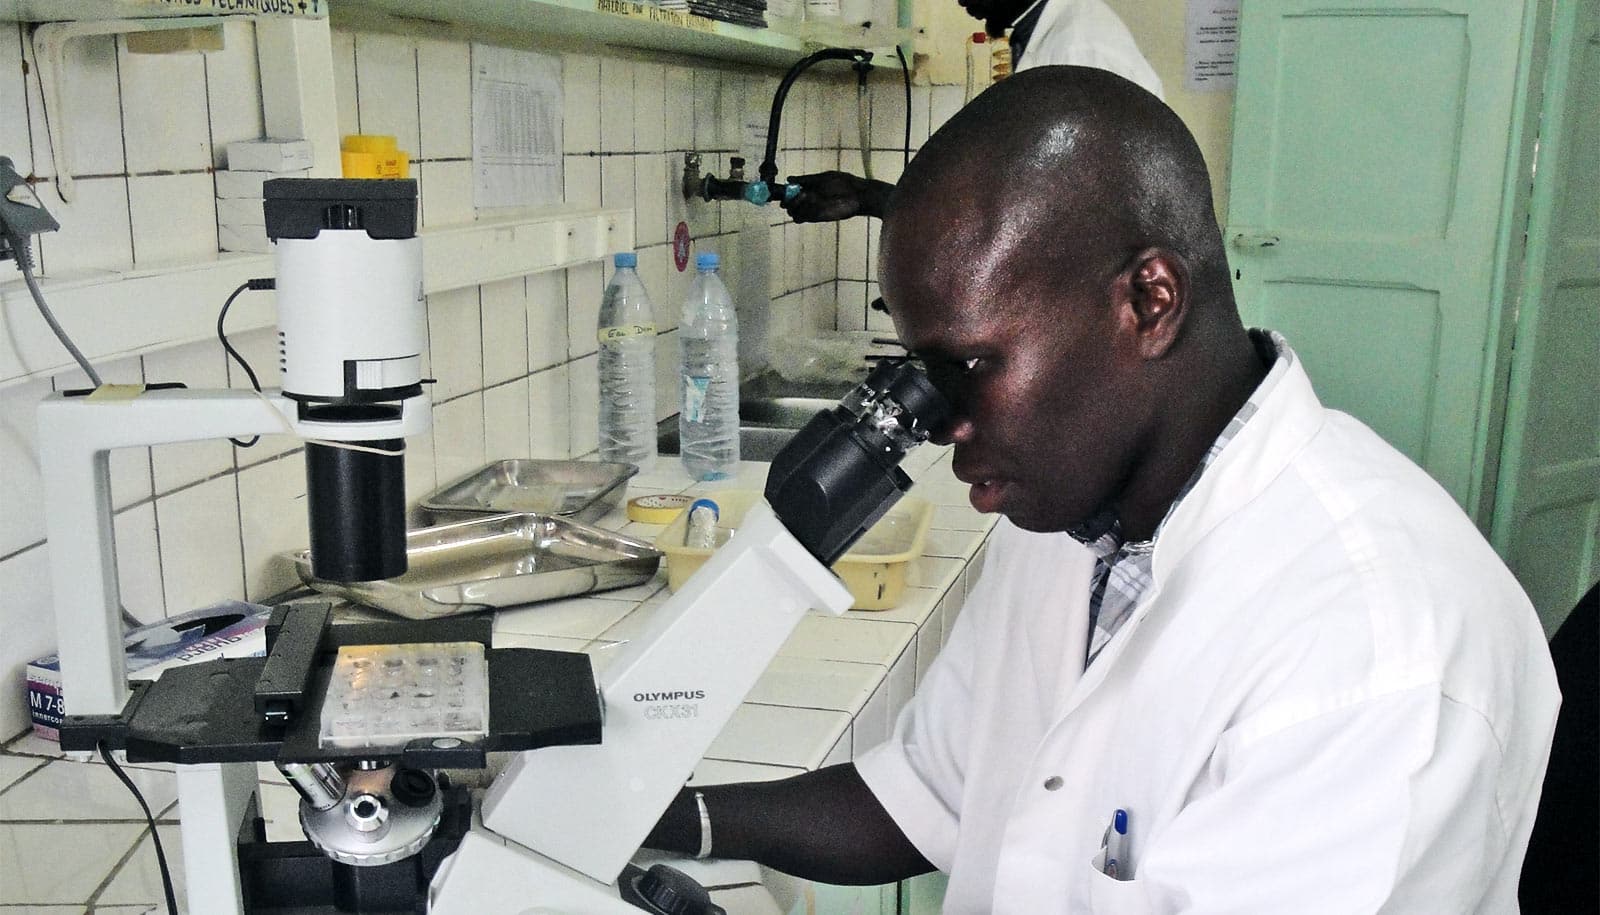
column 1230, row 651
column 1083, row 33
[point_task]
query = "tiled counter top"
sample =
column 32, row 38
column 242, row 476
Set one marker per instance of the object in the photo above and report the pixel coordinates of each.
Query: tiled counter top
column 72, row 840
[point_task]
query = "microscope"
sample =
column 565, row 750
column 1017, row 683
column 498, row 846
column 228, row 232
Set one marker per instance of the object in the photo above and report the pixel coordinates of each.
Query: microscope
column 363, row 717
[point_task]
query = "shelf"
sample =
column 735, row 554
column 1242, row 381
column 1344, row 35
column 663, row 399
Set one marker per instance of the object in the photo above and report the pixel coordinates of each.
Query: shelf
column 115, row 314
column 617, row 22
column 62, row 10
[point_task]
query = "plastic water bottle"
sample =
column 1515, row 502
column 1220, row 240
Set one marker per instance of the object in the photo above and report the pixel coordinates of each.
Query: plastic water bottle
column 627, row 368
column 708, row 378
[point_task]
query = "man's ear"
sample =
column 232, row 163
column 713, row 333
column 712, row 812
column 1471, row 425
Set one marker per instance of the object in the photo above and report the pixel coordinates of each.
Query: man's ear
column 1153, row 293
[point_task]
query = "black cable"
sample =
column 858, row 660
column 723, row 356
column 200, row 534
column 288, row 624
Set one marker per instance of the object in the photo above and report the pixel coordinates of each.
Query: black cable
column 161, row 854
column 256, row 284
column 905, row 74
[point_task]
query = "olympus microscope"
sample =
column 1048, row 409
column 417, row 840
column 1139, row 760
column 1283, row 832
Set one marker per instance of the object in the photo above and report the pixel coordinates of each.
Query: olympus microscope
column 597, row 759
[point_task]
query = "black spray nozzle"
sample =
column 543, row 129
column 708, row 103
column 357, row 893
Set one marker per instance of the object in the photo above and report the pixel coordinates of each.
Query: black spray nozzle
column 768, row 172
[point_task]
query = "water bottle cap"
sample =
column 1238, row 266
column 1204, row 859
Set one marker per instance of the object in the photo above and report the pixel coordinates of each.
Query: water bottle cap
column 706, row 260
column 625, row 259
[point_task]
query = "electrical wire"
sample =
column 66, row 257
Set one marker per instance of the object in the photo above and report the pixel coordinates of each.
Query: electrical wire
column 19, row 248
column 905, row 73
column 256, row 284
column 155, row 837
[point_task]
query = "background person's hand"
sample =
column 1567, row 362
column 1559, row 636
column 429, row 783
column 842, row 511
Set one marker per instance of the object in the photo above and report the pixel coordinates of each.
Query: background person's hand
column 834, row 195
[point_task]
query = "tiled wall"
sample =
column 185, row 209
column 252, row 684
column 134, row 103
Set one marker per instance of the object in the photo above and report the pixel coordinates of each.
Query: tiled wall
column 515, row 360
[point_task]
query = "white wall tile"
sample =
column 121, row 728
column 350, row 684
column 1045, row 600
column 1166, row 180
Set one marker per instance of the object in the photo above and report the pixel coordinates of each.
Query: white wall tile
column 421, row 470
column 678, row 107
column 944, row 102
column 584, row 405
column 853, row 249
column 506, row 422
column 707, row 101
column 888, row 113
column 617, row 181
column 174, row 218
column 22, row 492
column 201, row 561
column 655, row 266
column 793, row 256
column 28, row 621
column 233, row 88
column 344, row 81
column 547, row 318
column 455, row 342
column 616, row 105
column 94, row 231
column 580, row 103
column 584, row 289
column 458, row 436
column 386, row 87
column 582, row 177
column 13, row 100
column 777, row 284
column 139, row 562
column 549, row 420
column 921, row 102
column 130, row 467
column 730, row 111
column 649, row 91
column 200, row 366
column 164, row 116
column 874, row 230
column 852, row 305
column 444, row 89
column 446, row 189
column 93, row 115
column 650, row 201
column 272, row 520
column 505, row 331
column 816, row 114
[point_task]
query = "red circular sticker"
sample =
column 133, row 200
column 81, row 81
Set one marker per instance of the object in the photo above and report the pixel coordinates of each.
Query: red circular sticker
column 680, row 246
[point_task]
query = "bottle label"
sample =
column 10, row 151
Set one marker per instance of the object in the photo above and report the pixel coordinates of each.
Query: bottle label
column 608, row 334
column 694, row 397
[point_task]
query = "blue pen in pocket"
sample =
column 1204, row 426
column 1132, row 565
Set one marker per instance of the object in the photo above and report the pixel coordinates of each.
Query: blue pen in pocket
column 1116, row 842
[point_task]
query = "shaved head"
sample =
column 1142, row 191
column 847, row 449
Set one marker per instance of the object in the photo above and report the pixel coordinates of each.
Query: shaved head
column 1059, row 169
column 1052, row 255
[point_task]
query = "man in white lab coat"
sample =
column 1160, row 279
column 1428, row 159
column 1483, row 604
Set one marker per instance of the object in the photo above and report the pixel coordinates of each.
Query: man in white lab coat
column 1084, row 33
column 1230, row 652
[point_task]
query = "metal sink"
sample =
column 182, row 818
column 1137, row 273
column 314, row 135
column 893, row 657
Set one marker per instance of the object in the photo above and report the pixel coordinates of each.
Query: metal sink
column 771, row 408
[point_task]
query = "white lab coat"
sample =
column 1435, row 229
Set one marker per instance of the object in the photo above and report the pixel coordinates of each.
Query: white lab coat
column 1334, row 698
column 1086, row 33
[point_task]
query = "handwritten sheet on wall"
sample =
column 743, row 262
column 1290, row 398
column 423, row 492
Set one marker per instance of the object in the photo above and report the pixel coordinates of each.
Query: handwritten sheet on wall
column 516, row 128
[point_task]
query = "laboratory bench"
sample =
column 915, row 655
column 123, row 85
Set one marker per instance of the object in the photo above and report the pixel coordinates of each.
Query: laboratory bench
column 73, row 840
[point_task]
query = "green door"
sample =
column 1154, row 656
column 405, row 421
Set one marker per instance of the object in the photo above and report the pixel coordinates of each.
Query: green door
column 1547, row 510
column 1371, row 150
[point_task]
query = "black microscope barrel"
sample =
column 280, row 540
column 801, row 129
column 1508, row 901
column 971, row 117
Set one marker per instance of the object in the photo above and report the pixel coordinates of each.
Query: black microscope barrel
column 356, row 502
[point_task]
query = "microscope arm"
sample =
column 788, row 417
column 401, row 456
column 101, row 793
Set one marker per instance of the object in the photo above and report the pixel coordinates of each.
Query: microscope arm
column 75, row 435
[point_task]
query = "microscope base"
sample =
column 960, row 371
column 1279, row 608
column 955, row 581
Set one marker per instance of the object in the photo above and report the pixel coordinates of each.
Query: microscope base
column 491, row 874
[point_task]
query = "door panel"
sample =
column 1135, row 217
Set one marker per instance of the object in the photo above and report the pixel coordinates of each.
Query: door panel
column 1371, row 141
column 1547, row 510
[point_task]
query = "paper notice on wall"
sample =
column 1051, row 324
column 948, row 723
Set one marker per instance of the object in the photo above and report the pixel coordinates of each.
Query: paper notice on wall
column 1211, row 45
column 516, row 128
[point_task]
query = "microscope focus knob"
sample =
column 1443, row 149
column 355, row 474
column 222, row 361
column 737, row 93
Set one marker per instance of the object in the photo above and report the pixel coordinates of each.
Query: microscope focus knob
column 672, row 892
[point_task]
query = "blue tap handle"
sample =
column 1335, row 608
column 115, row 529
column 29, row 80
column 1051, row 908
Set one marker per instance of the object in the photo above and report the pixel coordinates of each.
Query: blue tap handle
column 758, row 193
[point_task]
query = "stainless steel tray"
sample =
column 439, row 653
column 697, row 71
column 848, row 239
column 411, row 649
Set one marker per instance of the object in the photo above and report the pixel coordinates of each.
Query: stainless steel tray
column 585, row 490
column 498, row 561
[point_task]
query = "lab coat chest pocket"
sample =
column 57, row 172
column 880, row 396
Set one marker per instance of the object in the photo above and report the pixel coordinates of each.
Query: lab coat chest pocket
column 1111, row 896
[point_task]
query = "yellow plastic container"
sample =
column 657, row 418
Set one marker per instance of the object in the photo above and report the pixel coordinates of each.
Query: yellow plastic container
column 373, row 156
column 874, row 569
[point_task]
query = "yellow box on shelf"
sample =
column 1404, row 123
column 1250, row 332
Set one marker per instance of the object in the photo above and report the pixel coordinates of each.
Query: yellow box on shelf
column 373, row 156
column 874, row 569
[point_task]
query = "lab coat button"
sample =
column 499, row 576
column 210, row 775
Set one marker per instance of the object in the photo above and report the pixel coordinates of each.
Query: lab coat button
column 1052, row 783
